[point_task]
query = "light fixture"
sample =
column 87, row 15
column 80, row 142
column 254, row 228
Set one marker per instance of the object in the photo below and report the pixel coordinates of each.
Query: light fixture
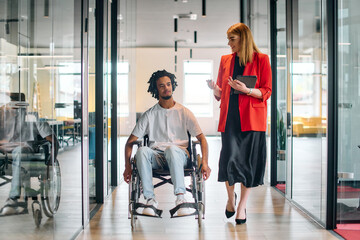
column 7, row 28
column 175, row 24
column 195, row 36
column 190, row 16
column 204, row 8
column 46, row 8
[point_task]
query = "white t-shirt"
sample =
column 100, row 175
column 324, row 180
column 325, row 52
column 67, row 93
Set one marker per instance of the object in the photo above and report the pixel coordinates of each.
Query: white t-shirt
column 16, row 131
column 167, row 127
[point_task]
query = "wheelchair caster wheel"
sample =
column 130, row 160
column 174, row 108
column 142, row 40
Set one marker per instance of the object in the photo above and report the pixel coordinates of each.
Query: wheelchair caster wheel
column 200, row 215
column 37, row 217
column 133, row 221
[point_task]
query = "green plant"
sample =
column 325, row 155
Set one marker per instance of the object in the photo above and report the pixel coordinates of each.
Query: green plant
column 281, row 131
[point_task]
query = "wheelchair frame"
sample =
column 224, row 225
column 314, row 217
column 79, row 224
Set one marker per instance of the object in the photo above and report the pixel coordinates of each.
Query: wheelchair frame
column 196, row 188
column 48, row 206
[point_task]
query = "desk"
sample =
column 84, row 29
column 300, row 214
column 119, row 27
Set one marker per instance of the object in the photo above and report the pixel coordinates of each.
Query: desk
column 72, row 129
column 58, row 129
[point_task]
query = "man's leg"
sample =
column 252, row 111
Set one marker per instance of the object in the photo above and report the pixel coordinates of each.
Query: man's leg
column 146, row 161
column 12, row 206
column 15, row 190
column 176, row 159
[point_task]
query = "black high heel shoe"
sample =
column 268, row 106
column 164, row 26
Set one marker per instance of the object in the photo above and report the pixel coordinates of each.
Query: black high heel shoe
column 241, row 221
column 229, row 214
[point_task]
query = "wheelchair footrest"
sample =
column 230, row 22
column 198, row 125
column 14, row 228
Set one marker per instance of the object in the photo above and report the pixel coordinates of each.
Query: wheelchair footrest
column 158, row 212
column 184, row 205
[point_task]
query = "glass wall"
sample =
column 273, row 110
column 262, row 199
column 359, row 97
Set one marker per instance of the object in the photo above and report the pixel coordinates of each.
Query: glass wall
column 349, row 114
column 126, row 81
column 282, row 93
column 309, row 107
column 40, row 119
column 91, row 107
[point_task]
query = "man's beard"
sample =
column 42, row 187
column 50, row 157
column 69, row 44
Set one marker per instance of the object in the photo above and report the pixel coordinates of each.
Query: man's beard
column 166, row 97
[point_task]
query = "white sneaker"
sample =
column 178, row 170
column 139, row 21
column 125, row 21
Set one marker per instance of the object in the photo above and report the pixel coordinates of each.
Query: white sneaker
column 11, row 207
column 149, row 211
column 183, row 211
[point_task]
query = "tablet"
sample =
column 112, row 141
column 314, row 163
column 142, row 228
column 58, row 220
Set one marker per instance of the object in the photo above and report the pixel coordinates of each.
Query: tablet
column 249, row 81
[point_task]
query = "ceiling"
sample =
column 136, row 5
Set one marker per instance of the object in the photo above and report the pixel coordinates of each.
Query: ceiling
column 155, row 23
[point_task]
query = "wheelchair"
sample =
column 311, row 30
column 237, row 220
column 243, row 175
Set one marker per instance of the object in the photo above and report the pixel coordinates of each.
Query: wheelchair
column 37, row 165
column 196, row 187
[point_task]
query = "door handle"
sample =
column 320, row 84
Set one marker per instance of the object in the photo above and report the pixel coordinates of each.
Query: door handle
column 345, row 105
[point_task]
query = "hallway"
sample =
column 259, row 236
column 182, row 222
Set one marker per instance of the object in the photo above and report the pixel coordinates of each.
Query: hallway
column 270, row 215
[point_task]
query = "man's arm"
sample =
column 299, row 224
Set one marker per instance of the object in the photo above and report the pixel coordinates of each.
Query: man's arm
column 128, row 150
column 52, row 138
column 204, row 152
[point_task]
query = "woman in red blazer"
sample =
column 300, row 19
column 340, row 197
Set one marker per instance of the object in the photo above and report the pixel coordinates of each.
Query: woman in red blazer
column 242, row 117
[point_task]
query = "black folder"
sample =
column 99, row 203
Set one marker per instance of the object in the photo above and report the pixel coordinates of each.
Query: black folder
column 249, row 81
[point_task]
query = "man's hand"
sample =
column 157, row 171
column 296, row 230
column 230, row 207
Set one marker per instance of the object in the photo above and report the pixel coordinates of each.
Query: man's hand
column 128, row 150
column 205, row 171
column 127, row 173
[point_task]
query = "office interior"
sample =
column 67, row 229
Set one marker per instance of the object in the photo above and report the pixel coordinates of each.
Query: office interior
column 82, row 66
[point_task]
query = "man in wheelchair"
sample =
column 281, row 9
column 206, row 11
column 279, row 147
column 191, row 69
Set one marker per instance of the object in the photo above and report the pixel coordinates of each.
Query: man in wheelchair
column 167, row 125
column 19, row 136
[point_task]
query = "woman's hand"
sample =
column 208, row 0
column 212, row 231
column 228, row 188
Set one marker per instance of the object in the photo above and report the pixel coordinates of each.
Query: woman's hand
column 212, row 85
column 238, row 85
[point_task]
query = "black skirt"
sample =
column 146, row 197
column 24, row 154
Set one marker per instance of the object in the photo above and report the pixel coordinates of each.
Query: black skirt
column 243, row 154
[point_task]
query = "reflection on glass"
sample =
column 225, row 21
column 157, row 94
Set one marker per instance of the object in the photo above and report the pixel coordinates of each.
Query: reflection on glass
column 348, row 195
column 40, row 120
column 309, row 109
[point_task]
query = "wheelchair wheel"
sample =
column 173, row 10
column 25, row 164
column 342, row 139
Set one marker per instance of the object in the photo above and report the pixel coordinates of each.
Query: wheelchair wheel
column 200, row 214
column 37, row 217
column 51, row 190
column 36, row 209
column 134, row 186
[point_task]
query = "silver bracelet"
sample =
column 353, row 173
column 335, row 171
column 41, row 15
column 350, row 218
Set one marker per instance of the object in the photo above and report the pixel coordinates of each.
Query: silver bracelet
column 249, row 92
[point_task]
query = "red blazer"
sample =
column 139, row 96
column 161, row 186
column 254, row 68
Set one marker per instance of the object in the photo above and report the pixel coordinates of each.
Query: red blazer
column 253, row 111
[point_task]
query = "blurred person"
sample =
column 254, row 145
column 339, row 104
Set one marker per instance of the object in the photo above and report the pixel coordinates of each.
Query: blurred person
column 19, row 136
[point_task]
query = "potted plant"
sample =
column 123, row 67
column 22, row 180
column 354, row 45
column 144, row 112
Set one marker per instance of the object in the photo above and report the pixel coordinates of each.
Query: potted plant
column 281, row 136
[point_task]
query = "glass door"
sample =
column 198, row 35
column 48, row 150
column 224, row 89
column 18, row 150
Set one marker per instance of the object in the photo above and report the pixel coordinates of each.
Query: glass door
column 40, row 119
column 91, row 108
column 309, row 107
column 282, row 100
column 348, row 194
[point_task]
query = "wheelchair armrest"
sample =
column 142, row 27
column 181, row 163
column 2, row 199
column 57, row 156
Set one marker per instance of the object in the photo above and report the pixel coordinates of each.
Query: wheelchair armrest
column 194, row 143
column 138, row 143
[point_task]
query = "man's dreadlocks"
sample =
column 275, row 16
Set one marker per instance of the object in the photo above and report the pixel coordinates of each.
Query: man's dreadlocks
column 154, row 77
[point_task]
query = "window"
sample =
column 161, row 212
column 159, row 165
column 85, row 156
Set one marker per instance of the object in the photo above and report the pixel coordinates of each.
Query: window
column 197, row 96
column 123, row 88
column 68, row 88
